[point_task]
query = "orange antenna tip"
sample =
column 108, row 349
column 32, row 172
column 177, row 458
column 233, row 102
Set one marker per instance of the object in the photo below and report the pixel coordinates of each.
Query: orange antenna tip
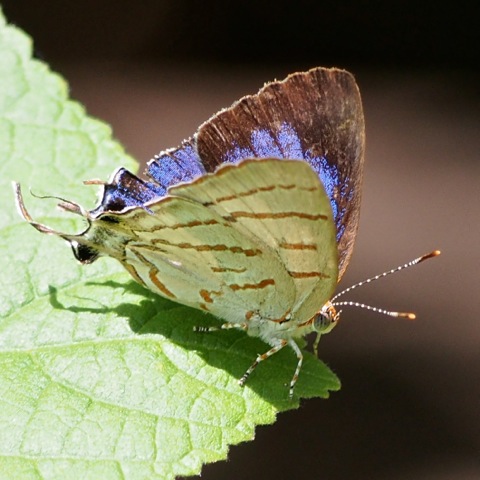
column 407, row 315
column 435, row 253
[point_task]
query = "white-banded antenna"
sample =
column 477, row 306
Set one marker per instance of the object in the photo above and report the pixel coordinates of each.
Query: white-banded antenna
column 384, row 274
column 410, row 316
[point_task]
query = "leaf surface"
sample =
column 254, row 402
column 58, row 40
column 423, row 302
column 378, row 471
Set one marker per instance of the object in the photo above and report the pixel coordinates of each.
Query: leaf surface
column 100, row 378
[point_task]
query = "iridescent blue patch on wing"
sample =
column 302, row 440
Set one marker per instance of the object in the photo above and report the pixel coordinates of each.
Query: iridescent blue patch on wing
column 334, row 186
column 175, row 166
column 266, row 144
column 125, row 190
column 290, row 142
column 285, row 143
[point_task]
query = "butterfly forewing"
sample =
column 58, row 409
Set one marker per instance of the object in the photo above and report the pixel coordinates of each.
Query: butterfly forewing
column 314, row 116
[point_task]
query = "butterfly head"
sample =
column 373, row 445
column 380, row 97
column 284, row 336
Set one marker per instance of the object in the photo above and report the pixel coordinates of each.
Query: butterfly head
column 325, row 319
column 323, row 322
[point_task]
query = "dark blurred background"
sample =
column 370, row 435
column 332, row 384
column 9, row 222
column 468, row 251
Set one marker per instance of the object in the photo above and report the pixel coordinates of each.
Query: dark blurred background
column 409, row 406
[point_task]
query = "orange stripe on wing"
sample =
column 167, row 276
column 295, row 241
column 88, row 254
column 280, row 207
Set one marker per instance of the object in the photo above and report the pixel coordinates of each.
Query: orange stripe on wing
column 308, row 275
column 228, row 269
column 298, row 246
column 255, row 286
column 254, row 191
column 193, row 223
column 247, row 193
column 274, row 215
column 133, row 272
column 152, row 274
column 153, row 277
column 219, row 247
column 207, row 295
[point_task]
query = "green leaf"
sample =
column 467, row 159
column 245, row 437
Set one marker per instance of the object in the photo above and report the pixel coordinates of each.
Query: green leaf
column 100, row 378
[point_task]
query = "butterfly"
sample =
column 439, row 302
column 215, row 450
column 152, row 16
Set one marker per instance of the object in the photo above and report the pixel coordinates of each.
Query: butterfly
column 253, row 219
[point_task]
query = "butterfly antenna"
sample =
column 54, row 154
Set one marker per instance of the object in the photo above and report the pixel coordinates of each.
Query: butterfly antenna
column 411, row 316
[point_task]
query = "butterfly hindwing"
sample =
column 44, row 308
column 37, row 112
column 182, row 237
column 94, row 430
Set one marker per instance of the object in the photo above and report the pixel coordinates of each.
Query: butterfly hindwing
column 282, row 205
column 188, row 252
column 255, row 237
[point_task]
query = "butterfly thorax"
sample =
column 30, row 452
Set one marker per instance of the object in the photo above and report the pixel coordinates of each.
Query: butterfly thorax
column 107, row 236
column 290, row 327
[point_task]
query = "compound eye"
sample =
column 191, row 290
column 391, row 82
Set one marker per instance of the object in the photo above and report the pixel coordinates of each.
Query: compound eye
column 84, row 253
column 321, row 322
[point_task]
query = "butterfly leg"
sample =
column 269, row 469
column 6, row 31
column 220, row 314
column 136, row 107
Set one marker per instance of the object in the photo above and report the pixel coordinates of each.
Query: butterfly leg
column 261, row 358
column 225, row 326
column 315, row 344
column 299, row 355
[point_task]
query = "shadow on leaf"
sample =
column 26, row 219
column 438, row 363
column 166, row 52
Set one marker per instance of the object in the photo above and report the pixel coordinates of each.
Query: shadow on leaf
column 230, row 350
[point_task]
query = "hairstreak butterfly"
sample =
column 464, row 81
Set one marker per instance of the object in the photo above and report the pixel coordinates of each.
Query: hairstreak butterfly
column 253, row 219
